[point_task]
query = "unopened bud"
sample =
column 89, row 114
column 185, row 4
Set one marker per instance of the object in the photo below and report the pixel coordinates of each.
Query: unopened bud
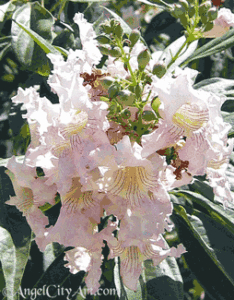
column 125, row 97
column 184, row 3
column 209, row 26
column 118, row 30
column 106, row 28
column 148, row 115
column 177, row 11
column 115, row 52
column 204, row 19
column 155, row 105
column 191, row 11
column 126, row 114
column 134, row 37
column 212, row 14
column 184, row 20
column 104, row 50
column 204, row 7
column 103, row 39
column 143, row 59
column 159, row 70
column 113, row 90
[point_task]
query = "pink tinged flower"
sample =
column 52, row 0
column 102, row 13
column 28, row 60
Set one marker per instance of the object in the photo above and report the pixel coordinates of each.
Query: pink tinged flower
column 184, row 111
column 82, row 259
column 131, row 257
column 134, row 177
column 195, row 152
column 216, row 175
column 224, row 21
column 24, row 201
column 87, row 37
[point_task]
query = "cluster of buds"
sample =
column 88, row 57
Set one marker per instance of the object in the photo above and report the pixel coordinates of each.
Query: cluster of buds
column 197, row 19
column 207, row 15
column 184, row 10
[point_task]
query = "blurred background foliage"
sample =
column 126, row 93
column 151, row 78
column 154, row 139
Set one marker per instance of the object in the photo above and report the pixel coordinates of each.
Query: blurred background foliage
column 22, row 69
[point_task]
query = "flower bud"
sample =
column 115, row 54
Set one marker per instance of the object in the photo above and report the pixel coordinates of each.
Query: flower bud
column 209, row 26
column 103, row 39
column 148, row 116
column 191, row 11
column 143, row 59
column 106, row 27
column 118, row 30
column 104, row 50
column 177, row 11
column 159, row 70
column 184, row 20
column 184, row 3
column 204, row 7
column 125, row 97
column 204, row 19
column 212, row 14
column 134, row 37
column 113, row 90
column 155, row 105
column 115, row 52
column 126, row 114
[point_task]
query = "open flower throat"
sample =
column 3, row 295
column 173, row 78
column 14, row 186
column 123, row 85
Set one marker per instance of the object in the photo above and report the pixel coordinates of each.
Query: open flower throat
column 190, row 117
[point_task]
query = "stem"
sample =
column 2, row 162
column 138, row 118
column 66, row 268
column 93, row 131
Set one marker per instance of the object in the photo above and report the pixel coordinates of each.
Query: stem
column 42, row 3
column 126, row 60
column 178, row 53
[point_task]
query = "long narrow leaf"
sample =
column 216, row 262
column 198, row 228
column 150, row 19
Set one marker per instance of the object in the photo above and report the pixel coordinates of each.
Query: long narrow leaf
column 46, row 46
column 215, row 46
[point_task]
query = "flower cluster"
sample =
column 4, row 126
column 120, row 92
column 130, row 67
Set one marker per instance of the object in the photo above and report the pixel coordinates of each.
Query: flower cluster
column 119, row 139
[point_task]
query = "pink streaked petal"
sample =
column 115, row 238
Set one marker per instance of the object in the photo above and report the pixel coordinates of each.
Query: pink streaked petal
column 164, row 136
column 130, row 268
column 195, row 152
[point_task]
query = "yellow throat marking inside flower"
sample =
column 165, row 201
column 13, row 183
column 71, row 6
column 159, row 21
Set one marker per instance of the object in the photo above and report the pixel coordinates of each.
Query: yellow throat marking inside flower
column 132, row 183
column 190, row 117
column 78, row 122
column 77, row 199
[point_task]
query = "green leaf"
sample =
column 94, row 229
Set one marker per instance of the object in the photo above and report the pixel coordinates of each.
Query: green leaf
column 215, row 46
column 164, row 281
column 216, row 211
column 203, row 188
column 58, row 275
column 13, row 260
column 7, row 7
column 229, row 118
column 15, row 238
column 32, row 36
column 210, row 251
column 221, row 87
